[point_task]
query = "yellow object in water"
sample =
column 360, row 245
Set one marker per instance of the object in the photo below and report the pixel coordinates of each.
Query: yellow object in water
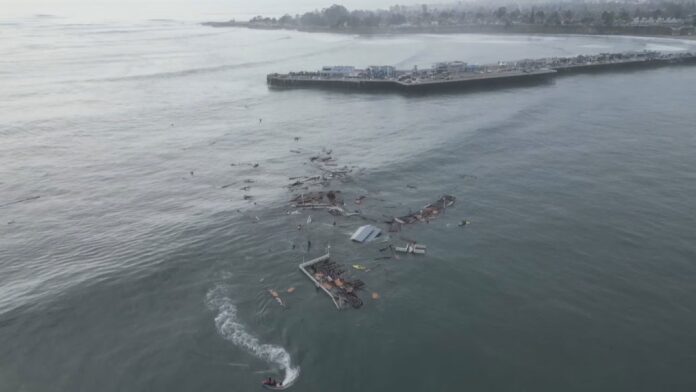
column 359, row 267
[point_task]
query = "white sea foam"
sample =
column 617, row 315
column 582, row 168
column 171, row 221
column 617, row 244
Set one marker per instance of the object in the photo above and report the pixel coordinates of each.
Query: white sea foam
column 230, row 328
column 665, row 48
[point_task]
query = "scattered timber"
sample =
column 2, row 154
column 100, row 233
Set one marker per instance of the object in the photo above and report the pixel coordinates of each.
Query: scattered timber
column 327, row 275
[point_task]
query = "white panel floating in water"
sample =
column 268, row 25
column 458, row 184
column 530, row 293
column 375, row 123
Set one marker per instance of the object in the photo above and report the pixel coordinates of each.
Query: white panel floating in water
column 413, row 248
column 366, row 233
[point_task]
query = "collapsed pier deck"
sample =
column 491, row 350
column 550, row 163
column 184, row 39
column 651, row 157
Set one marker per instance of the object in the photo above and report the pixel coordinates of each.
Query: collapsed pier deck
column 329, row 277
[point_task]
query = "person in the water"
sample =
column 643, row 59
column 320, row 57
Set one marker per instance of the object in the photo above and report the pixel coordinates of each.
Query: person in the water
column 272, row 382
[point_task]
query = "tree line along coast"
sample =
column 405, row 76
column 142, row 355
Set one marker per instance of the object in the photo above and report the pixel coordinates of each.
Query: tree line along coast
column 652, row 18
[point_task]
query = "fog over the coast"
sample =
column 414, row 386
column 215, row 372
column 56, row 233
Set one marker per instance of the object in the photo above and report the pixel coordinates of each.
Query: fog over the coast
column 176, row 9
column 199, row 10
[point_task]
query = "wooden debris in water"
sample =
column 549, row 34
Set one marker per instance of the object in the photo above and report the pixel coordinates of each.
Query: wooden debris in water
column 428, row 212
column 328, row 275
column 318, row 199
column 412, row 248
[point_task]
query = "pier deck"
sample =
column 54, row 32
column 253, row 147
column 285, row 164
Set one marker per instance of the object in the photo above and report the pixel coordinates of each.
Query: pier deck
column 458, row 75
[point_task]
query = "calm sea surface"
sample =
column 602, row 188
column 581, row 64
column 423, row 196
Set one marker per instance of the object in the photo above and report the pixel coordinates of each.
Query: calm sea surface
column 129, row 260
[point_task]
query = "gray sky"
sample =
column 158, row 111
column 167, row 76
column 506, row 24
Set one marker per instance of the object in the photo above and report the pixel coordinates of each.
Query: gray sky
column 176, row 9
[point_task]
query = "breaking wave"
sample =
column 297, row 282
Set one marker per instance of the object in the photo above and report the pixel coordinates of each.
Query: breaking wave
column 207, row 69
column 180, row 73
column 231, row 329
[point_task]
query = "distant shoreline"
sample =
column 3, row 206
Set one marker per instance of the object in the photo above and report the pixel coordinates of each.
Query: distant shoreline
column 636, row 31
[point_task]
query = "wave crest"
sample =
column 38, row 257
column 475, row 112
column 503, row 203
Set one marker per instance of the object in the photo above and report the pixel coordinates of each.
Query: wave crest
column 229, row 326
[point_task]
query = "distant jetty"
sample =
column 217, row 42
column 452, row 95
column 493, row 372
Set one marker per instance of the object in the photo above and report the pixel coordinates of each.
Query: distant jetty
column 462, row 75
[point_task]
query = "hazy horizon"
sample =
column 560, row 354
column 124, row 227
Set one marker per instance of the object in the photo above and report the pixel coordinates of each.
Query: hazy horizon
column 192, row 10
column 177, row 9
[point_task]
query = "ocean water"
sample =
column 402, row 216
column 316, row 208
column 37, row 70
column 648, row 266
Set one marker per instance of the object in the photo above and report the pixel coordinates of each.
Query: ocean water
column 130, row 261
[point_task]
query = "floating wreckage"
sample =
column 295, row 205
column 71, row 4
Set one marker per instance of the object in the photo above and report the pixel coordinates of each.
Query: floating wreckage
column 317, row 200
column 329, row 169
column 431, row 211
column 332, row 201
column 367, row 233
column 306, row 180
column 327, row 275
column 359, row 267
column 412, row 248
